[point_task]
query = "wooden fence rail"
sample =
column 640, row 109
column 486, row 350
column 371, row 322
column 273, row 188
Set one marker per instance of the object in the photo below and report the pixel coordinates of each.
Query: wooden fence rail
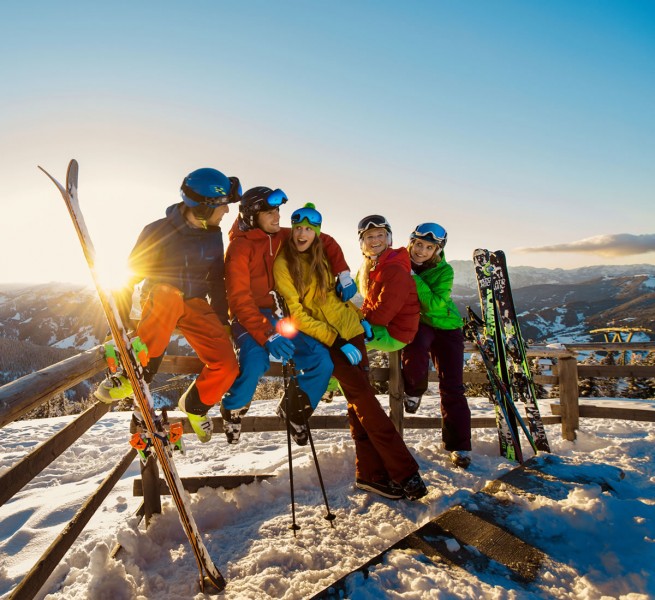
column 27, row 393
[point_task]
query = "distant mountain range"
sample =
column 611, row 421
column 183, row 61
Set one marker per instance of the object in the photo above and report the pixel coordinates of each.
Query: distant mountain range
column 563, row 305
column 554, row 305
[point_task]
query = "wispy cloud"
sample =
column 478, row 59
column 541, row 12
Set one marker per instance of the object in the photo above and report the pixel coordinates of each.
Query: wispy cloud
column 620, row 244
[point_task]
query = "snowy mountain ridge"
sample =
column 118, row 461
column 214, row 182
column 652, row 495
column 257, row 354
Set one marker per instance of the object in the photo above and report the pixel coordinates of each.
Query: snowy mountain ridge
column 554, row 305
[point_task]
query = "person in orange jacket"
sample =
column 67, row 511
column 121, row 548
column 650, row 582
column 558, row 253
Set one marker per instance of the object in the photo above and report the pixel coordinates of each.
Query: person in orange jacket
column 255, row 239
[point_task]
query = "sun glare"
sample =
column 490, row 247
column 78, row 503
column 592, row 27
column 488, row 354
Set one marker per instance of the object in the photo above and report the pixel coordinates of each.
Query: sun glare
column 113, row 274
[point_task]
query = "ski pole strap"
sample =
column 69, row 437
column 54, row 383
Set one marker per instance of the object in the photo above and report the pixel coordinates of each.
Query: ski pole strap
column 281, row 309
column 140, row 351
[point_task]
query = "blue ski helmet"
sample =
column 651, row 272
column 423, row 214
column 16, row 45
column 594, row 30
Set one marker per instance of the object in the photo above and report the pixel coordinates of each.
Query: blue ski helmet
column 430, row 232
column 210, row 188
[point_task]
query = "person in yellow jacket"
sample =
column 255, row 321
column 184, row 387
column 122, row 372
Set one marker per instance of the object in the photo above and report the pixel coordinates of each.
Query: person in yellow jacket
column 383, row 465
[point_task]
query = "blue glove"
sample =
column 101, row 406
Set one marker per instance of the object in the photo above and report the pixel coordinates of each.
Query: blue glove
column 352, row 353
column 368, row 330
column 279, row 347
column 346, row 287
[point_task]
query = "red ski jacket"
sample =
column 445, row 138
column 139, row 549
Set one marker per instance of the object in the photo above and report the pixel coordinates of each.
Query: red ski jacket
column 392, row 300
column 249, row 274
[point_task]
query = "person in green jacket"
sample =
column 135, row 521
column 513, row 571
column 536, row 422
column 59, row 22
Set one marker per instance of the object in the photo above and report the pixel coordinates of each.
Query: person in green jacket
column 439, row 338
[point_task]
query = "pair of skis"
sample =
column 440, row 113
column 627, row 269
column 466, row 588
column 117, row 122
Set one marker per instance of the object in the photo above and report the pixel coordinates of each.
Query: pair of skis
column 497, row 336
column 132, row 366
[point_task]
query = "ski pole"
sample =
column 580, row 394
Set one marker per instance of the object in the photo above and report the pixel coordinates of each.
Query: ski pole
column 287, row 408
column 330, row 516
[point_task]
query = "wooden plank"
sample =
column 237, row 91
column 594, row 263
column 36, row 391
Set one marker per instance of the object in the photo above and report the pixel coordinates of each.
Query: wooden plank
column 150, row 482
column 616, row 371
column 39, row 573
column 477, row 525
column 380, row 374
column 192, row 364
column 193, row 484
column 589, row 411
column 33, row 463
column 22, row 395
column 612, row 346
column 396, row 392
column 489, row 538
column 568, row 388
column 260, row 424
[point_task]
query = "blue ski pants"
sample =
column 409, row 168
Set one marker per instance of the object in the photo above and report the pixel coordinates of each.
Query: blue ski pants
column 312, row 359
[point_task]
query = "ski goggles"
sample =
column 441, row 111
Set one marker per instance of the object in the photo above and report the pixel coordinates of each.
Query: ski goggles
column 431, row 232
column 311, row 215
column 193, row 199
column 373, row 222
column 274, row 200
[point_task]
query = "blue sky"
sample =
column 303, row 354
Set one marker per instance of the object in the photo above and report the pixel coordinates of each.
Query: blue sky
column 515, row 125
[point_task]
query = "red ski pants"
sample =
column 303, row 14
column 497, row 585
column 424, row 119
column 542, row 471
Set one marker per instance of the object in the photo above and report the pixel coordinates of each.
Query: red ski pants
column 164, row 310
column 380, row 451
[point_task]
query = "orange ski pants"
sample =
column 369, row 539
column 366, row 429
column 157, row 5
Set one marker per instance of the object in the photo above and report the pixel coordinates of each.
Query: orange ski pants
column 164, row 310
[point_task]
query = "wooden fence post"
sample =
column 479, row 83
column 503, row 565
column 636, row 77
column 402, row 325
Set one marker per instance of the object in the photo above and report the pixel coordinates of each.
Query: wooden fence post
column 567, row 368
column 396, row 409
column 151, row 492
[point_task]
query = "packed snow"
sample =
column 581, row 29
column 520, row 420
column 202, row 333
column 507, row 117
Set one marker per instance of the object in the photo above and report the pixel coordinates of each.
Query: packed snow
column 600, row 541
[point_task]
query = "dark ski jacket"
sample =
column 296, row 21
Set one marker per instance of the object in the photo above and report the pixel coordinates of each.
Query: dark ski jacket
column 170, row 251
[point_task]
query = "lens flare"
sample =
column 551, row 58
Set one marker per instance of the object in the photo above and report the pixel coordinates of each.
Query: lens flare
column 286, row 328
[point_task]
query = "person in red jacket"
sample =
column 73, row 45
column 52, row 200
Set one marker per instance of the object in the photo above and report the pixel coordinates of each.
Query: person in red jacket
column 255, row 239
column 391, row 303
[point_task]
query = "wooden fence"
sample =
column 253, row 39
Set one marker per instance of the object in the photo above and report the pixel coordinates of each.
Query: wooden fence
column 23, row 395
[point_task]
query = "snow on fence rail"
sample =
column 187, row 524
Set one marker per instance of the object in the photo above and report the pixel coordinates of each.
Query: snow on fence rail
column 23, row 395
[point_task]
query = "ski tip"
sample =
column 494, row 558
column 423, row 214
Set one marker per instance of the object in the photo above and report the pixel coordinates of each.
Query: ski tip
column 71, row 174
column 43, row 170
column 209, row 583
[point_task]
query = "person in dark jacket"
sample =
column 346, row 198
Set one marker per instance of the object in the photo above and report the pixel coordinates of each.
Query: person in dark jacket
column 390, row 301
column 180, row 260
column 440, row 338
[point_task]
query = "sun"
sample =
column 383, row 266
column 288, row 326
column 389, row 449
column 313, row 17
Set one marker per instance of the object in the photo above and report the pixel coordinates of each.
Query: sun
column 113, row 273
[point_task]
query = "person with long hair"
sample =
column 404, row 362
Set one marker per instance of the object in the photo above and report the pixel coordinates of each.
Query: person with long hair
column 255, row 239
column 439, row 338
column 390, row 301
column 383, row 465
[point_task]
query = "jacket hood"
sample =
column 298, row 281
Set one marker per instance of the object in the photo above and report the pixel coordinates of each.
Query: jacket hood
column 176, row 218
column 250, row 234
column 395, row 256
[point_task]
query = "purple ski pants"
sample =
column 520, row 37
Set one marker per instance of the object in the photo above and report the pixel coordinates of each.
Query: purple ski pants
column 446, row 349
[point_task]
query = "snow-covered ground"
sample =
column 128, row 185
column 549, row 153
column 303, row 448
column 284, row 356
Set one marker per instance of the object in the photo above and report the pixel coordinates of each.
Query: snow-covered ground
column 247, row 529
